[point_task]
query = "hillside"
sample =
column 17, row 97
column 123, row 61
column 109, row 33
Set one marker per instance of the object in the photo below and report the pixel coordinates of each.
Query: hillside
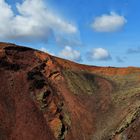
column 43, row 97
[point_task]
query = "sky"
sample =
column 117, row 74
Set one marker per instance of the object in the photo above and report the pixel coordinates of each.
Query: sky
column 91, row 32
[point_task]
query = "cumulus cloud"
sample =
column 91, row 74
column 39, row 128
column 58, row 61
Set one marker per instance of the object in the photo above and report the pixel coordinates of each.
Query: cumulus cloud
column 43, row 49
column 6, row 16
column 99, row 54
column 33, row 21
column 71, row 54
column 109, row 22
column 133, row 50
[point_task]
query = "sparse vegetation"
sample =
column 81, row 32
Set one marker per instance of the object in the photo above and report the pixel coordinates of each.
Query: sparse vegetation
column 80, row 82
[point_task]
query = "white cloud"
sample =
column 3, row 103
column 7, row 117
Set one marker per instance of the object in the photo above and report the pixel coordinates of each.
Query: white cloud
column 70, row 54
column 43, row 49
column 109, row 22
column 34, row 21
column 99, row 54
column 6, row 16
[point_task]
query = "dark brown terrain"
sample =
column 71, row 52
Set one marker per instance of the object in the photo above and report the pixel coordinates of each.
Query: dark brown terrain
column 43, row 97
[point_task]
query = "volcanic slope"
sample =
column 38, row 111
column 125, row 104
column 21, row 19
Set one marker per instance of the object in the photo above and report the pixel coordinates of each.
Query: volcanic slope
column 43, row 97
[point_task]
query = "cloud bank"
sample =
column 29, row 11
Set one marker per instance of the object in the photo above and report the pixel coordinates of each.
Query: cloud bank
column 71, row 54
column 109, row 22
column 34, row 21
column 99, row 54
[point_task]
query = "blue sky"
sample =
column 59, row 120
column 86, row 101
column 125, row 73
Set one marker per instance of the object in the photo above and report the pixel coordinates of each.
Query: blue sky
column 93, row 32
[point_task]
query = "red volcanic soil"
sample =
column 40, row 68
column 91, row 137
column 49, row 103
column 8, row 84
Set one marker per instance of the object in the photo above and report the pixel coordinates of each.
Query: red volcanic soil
column 110, row 71
column 43, row 97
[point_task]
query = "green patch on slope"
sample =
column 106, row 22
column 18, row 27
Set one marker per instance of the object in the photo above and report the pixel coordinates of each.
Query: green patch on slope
column 80, row 82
